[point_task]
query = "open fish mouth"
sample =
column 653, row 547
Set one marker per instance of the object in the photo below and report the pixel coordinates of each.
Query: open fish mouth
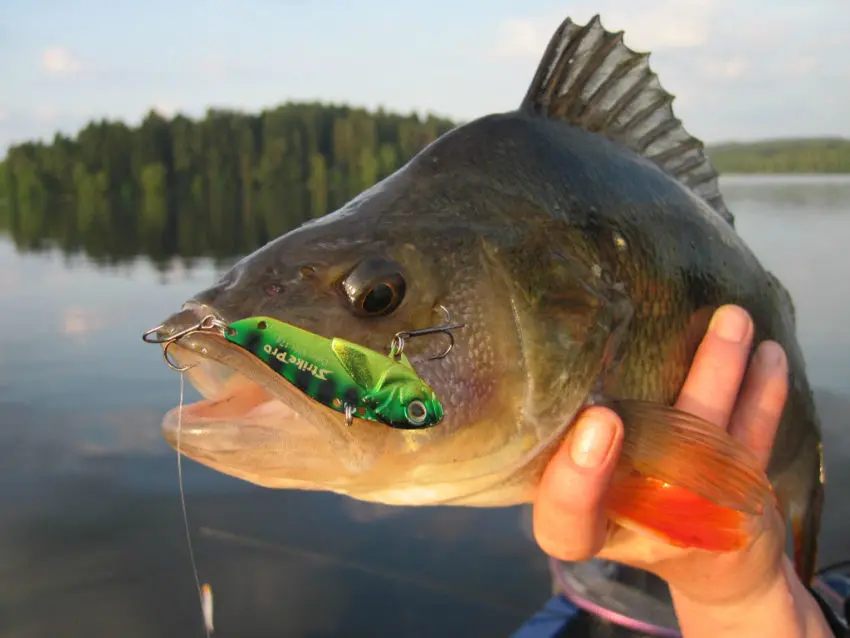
column 253, row 425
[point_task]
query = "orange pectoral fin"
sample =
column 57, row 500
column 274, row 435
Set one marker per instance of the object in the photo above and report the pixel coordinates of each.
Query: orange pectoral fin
column 678, row 516
column 686, row 480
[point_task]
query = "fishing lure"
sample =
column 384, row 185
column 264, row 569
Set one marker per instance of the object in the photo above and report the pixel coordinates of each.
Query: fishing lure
column 207, row 606
column 341, row 375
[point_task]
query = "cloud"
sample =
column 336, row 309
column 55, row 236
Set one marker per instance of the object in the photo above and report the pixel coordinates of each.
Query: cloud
column 667, row 24
column 725, row 68
column 803, row 65
column 77, row 322
column 211, row 66
column 736, row 71
column 45, row 113
column 59, row 61
column 521, row 38
column 9, row 281
column 165, row 108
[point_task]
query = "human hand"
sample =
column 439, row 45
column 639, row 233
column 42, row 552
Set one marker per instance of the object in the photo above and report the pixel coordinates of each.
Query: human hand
column 569, row 512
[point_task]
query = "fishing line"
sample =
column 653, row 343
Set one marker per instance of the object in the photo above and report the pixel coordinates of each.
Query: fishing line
column 183, row 504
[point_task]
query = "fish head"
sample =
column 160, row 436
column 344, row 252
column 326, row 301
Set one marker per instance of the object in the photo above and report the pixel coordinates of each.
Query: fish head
column 390, row 261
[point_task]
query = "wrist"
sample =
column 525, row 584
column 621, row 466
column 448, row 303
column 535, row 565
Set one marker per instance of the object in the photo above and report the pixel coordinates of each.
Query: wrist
column 783, row 608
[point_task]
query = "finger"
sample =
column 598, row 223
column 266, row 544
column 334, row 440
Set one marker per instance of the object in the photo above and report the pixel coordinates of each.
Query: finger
column 762, row 399
column 569, row 514
column 712, row 385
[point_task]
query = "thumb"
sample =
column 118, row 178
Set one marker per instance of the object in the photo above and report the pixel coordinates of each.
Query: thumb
column 569, row 515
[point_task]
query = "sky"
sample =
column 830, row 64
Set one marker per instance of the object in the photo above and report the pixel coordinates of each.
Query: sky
column 740, row 69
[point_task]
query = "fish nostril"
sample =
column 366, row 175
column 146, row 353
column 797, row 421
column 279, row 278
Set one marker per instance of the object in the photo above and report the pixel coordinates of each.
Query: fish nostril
column 273, row 289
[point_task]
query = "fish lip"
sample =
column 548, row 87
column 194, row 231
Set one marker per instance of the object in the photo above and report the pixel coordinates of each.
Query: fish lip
column 206, row 346
column 190, row 314
column 213, row 346
column 324, row 423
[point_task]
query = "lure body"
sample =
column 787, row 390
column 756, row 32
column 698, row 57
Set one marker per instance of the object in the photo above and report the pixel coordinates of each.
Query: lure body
column 337, row 373
column 207, row 606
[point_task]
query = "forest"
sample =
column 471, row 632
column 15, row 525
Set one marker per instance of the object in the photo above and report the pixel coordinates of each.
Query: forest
column 812, row 155
column 224, row 184
column 218, row 186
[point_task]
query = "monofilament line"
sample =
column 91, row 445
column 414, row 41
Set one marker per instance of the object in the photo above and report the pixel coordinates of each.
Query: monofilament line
column 183, row 504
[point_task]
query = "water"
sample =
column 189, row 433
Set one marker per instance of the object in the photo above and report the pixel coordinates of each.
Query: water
column 91, row 537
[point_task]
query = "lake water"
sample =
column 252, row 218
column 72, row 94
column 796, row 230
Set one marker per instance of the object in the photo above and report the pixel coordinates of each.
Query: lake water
column 91, row 535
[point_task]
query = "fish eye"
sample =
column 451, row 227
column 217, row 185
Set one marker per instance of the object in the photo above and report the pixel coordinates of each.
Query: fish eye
column 417, row 413
column 375, row 287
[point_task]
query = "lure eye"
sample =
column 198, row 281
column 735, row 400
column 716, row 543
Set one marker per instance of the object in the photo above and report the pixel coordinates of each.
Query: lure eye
column 417, row 413
column 375, row 287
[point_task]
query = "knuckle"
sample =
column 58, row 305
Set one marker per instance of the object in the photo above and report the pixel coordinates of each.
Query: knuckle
column 571, row 536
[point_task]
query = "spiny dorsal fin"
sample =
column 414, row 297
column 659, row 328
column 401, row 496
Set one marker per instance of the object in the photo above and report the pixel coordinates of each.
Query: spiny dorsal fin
column 590, row 78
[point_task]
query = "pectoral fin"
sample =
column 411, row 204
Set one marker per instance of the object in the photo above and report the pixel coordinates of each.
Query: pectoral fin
column 686, row 480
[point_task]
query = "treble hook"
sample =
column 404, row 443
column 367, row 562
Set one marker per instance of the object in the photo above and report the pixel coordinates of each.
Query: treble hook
column 397, row 344
column 207, row 323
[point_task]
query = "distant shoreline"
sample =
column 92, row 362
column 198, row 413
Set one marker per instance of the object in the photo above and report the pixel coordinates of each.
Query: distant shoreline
column 813, row 173
column 779, row 156
column 840, row 177
column 799, row 156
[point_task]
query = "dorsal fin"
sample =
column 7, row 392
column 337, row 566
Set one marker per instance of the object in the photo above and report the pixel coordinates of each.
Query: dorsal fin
column 590, row 78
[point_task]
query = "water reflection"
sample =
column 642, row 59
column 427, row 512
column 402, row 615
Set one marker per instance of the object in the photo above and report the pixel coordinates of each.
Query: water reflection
column 789, row 194
column 91, row 532
column 95, row 536
column 808, row 247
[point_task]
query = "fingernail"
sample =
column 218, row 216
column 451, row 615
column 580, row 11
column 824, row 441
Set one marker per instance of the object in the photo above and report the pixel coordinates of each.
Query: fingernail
column 591, row 441
column 730, row 323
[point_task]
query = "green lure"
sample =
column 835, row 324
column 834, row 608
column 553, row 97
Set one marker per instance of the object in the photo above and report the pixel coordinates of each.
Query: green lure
column 338, row 373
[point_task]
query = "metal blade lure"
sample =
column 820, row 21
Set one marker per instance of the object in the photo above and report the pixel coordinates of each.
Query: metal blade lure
column 344, row 376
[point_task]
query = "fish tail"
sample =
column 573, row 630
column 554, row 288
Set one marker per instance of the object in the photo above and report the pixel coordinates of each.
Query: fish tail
column 686, row 481
column 805, row 527
column 800, row 489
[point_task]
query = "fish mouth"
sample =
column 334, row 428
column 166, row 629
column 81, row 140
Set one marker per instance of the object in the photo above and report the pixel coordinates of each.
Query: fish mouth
column 253, row 425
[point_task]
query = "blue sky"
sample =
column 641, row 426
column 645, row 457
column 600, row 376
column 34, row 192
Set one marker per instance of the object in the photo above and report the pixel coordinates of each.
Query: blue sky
column 739, row 68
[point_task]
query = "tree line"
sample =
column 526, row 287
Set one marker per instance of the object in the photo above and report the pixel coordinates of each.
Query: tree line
column 221, row 185
column 826, row 155
column 224, row 184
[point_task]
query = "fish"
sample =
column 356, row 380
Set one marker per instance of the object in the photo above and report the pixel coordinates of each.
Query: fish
column 583, row 240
